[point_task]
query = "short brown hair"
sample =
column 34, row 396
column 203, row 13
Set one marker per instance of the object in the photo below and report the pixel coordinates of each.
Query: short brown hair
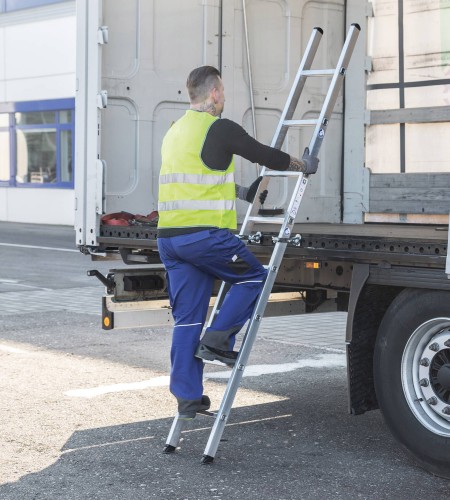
column 201, row 81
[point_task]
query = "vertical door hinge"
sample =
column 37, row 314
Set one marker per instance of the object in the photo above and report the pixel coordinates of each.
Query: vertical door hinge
column 102, row 99
column 102, row 35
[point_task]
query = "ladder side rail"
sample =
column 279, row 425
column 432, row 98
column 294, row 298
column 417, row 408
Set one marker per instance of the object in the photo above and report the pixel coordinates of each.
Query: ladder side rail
column 322, row 123
column 319, row 132
column 287, row 113
column 174, row 434
column 253, row 326
column 334, row 89
column 252, row 329
column 244, row 354
column 297, row 87
column 217, row 303
column 294, row 204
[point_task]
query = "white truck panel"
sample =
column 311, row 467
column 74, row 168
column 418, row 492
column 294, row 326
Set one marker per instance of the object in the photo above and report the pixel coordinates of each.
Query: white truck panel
column 151, row 47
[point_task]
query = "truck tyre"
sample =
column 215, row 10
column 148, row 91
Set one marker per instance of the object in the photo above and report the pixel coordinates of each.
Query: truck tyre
column 412, row 375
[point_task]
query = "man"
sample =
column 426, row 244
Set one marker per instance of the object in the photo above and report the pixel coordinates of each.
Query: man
column 197, row 210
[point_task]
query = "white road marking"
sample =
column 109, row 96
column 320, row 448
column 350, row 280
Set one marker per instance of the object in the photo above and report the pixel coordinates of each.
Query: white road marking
column 39, row 248
column 111, row 443
column 107, row 389
column 246, row 422
column 322, row 361
column 17, row 283
column 12, row 350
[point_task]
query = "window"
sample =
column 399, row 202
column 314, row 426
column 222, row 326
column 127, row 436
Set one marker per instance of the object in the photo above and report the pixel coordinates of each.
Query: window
column 4, row 148
column 11, row 5
column 36, row 144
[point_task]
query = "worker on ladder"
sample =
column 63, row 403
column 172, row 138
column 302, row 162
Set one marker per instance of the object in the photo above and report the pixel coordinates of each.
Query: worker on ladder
column 197, row 210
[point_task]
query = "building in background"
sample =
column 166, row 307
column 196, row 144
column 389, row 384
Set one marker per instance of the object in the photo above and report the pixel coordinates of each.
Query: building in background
column 37, row 101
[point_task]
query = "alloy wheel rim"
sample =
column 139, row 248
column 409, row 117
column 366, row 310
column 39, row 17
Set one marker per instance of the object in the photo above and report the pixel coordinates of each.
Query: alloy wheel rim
column 425, row 370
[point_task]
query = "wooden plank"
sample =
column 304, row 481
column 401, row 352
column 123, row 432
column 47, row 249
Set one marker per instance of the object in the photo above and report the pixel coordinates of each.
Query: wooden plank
column 411, row 115
column 410, row 193
column 434, row 219
column 408, row 207
column 392, row 231
column 412, row 180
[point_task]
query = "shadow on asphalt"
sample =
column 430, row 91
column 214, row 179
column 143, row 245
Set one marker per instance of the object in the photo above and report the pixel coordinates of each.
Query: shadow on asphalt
column 283, row 450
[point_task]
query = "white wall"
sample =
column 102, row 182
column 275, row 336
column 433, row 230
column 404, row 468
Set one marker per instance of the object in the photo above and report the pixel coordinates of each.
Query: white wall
column 37, row 62
column 38, row 206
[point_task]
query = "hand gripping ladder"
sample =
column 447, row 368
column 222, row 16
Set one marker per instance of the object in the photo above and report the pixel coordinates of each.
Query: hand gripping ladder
column 286, row 222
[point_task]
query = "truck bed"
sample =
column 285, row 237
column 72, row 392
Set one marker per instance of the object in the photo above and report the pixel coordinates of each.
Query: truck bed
column 405, row 244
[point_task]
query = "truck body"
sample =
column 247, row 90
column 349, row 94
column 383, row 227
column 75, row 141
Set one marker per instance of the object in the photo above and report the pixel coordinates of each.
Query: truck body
column 374, row 219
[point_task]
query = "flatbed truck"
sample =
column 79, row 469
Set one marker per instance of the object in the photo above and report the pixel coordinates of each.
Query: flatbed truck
column 373, row 228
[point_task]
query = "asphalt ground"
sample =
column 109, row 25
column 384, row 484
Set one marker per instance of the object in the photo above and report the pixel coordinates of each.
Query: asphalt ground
column 84, row 414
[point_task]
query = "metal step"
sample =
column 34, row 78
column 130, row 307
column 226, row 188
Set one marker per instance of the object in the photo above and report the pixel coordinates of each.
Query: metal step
column 299, row 123
column 281, row 173
column 267, row 220
column 318, row 72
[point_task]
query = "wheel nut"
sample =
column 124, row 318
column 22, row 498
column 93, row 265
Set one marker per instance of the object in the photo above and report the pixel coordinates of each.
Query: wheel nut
column 424, row 382
column 446, row 410
column 447, row 343
column 432, row 401
column 434, row 347
column 425, row 362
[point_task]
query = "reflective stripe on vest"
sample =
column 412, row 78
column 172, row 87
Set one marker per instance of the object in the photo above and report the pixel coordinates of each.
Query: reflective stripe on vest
column 190, row 193
column 196, row 205
column 195, row 178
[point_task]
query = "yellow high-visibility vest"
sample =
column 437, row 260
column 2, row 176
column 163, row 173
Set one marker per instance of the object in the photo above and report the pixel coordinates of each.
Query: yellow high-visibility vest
column 190, row 193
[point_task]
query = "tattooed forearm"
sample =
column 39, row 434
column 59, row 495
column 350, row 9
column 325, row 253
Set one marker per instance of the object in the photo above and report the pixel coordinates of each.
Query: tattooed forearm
column 296, row 165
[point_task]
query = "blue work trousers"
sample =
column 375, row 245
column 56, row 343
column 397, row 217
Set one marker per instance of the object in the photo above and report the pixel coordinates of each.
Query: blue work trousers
column 193, row 261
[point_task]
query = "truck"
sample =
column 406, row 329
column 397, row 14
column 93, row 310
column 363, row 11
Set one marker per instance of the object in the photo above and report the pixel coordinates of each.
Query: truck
column 373, row 224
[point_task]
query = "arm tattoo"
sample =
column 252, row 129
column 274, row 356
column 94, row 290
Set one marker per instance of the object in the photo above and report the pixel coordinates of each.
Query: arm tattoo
column 296, row 165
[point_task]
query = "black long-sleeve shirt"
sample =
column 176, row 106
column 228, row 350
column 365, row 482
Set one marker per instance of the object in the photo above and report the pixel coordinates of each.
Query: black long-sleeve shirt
column 224, row 139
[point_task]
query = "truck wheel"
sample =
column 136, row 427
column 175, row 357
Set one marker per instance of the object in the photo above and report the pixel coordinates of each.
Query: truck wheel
column 412, row 375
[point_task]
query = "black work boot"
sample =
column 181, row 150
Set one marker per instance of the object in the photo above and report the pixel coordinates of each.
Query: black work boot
column 187, row 408
column 211, row 354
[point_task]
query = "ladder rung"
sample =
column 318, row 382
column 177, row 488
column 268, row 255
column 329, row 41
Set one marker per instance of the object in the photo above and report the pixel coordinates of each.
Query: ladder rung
column 318, row 72
column 299, row 123
column 281, row 173
column 266, row 220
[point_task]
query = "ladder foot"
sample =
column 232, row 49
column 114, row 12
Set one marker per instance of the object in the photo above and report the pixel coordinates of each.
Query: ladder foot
column 169, row 449
column 207, row 460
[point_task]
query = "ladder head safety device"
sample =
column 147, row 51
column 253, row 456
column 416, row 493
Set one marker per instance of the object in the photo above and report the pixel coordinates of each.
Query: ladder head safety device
column 286, row 222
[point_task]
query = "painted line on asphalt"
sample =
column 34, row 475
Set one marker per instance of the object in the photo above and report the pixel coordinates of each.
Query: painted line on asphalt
column 17, row 283
column 245, row 422
column 12, row 350
column 39, row 248
column 322, row 361
column 111, row 443
column 107, row 389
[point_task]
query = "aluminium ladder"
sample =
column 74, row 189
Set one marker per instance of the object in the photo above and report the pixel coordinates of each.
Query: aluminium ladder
column 286, row 222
